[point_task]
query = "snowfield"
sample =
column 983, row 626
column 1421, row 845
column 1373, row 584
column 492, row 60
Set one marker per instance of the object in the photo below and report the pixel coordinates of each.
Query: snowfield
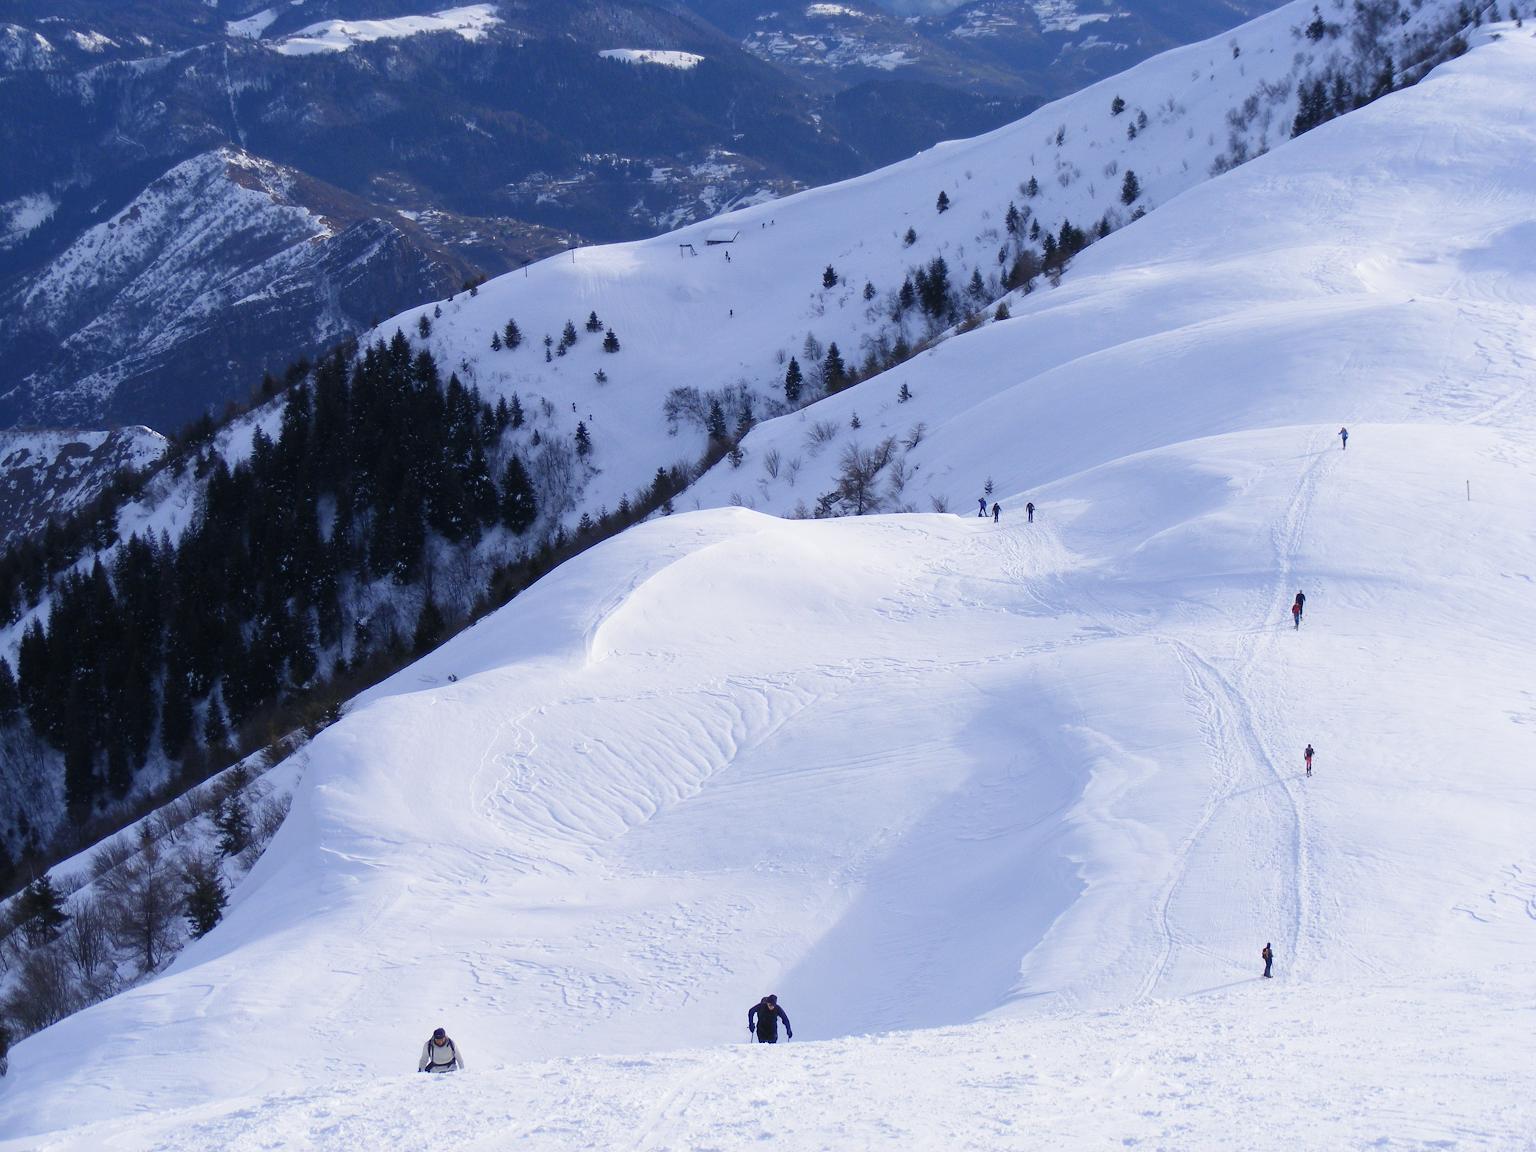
column 661, row 56
column 470, row 22
column 1004, row 812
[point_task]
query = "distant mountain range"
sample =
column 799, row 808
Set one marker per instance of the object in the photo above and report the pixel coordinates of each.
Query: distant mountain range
column 195, row 196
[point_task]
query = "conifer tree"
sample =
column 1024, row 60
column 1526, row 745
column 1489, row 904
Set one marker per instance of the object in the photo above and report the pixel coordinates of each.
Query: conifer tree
column 424, row 325
column 933, row 288
column 793, row 381
column 869, row 290
column 907, row 296
column 430, row 625
column 834, row 371
column 583, row 439
column 715, row 422
column 1116, row 106
column 1130, row 188
column 215, row 731
column 943, row 202
column 203, row 895
column 829, row 277
column 234, row 820
column 10, row 702
column 1032, row 189
column 511, row 335
column 910, row 238
column 41, row 912
column 518, row 507
column 568, row 336
column 1013, row 221
column 610, row 342
column 593, row 323
column 977, row 287
column 495, row 341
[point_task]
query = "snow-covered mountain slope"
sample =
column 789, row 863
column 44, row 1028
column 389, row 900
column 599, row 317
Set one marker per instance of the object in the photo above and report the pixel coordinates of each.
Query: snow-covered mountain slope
column 45, row 474
column 713, row 316
column 224, row 253
column 1039, row 784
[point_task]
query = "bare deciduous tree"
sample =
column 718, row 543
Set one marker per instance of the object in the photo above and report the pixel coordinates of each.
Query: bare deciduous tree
column 85, row 942
column 143, row 902
column 44, row 993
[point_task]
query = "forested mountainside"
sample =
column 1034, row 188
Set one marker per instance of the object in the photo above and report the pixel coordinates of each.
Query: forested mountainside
column 197, row 196
column 383, row 496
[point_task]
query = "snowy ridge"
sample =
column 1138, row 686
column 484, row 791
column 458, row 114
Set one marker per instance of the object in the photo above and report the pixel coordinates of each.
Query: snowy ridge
column 661, row 56
column 469, row 22
column 748, row 306
column 1034, row 787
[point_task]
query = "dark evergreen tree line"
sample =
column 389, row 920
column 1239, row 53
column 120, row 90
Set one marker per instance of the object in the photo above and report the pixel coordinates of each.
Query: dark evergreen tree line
column 236, row 615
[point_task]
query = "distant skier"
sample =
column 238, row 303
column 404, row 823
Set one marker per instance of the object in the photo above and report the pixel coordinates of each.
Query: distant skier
column 440, row 1054
column 1343, row 439
column 1301, row 604
column 1307, row 756
column 997, row 510
column 981, row 506
column 1296, row 614
column 763, row 1018
column 1030, row 508
column 1269, row 959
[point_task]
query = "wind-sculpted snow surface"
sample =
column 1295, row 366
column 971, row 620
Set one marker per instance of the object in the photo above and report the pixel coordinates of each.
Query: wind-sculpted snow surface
column 1032, row 789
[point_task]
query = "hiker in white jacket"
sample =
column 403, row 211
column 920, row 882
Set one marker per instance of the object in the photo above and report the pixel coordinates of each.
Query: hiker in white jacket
column 440, row 1054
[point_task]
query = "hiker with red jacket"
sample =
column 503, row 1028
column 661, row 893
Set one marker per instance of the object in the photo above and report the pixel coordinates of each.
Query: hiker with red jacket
column 763, row 1018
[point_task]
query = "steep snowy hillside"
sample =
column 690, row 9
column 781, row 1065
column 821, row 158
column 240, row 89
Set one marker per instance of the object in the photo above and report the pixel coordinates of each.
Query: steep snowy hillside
column 225, row 260
column 715, row 312
column 1038, row 786
column 45, row 474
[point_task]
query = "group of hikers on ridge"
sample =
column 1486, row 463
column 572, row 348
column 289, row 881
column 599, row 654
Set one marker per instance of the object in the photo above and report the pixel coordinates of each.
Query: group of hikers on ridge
column 440, row 1054
column 997, row 510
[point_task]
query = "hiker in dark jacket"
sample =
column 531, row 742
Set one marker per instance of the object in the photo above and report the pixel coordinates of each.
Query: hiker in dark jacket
column 440, row 1054
column 1269, row 960
column 997, row 510
column 763, row 1018
column 1307, row 758
column 1301, row 604
column 981, row 507
column 1343, row 438
column 1030, row 508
